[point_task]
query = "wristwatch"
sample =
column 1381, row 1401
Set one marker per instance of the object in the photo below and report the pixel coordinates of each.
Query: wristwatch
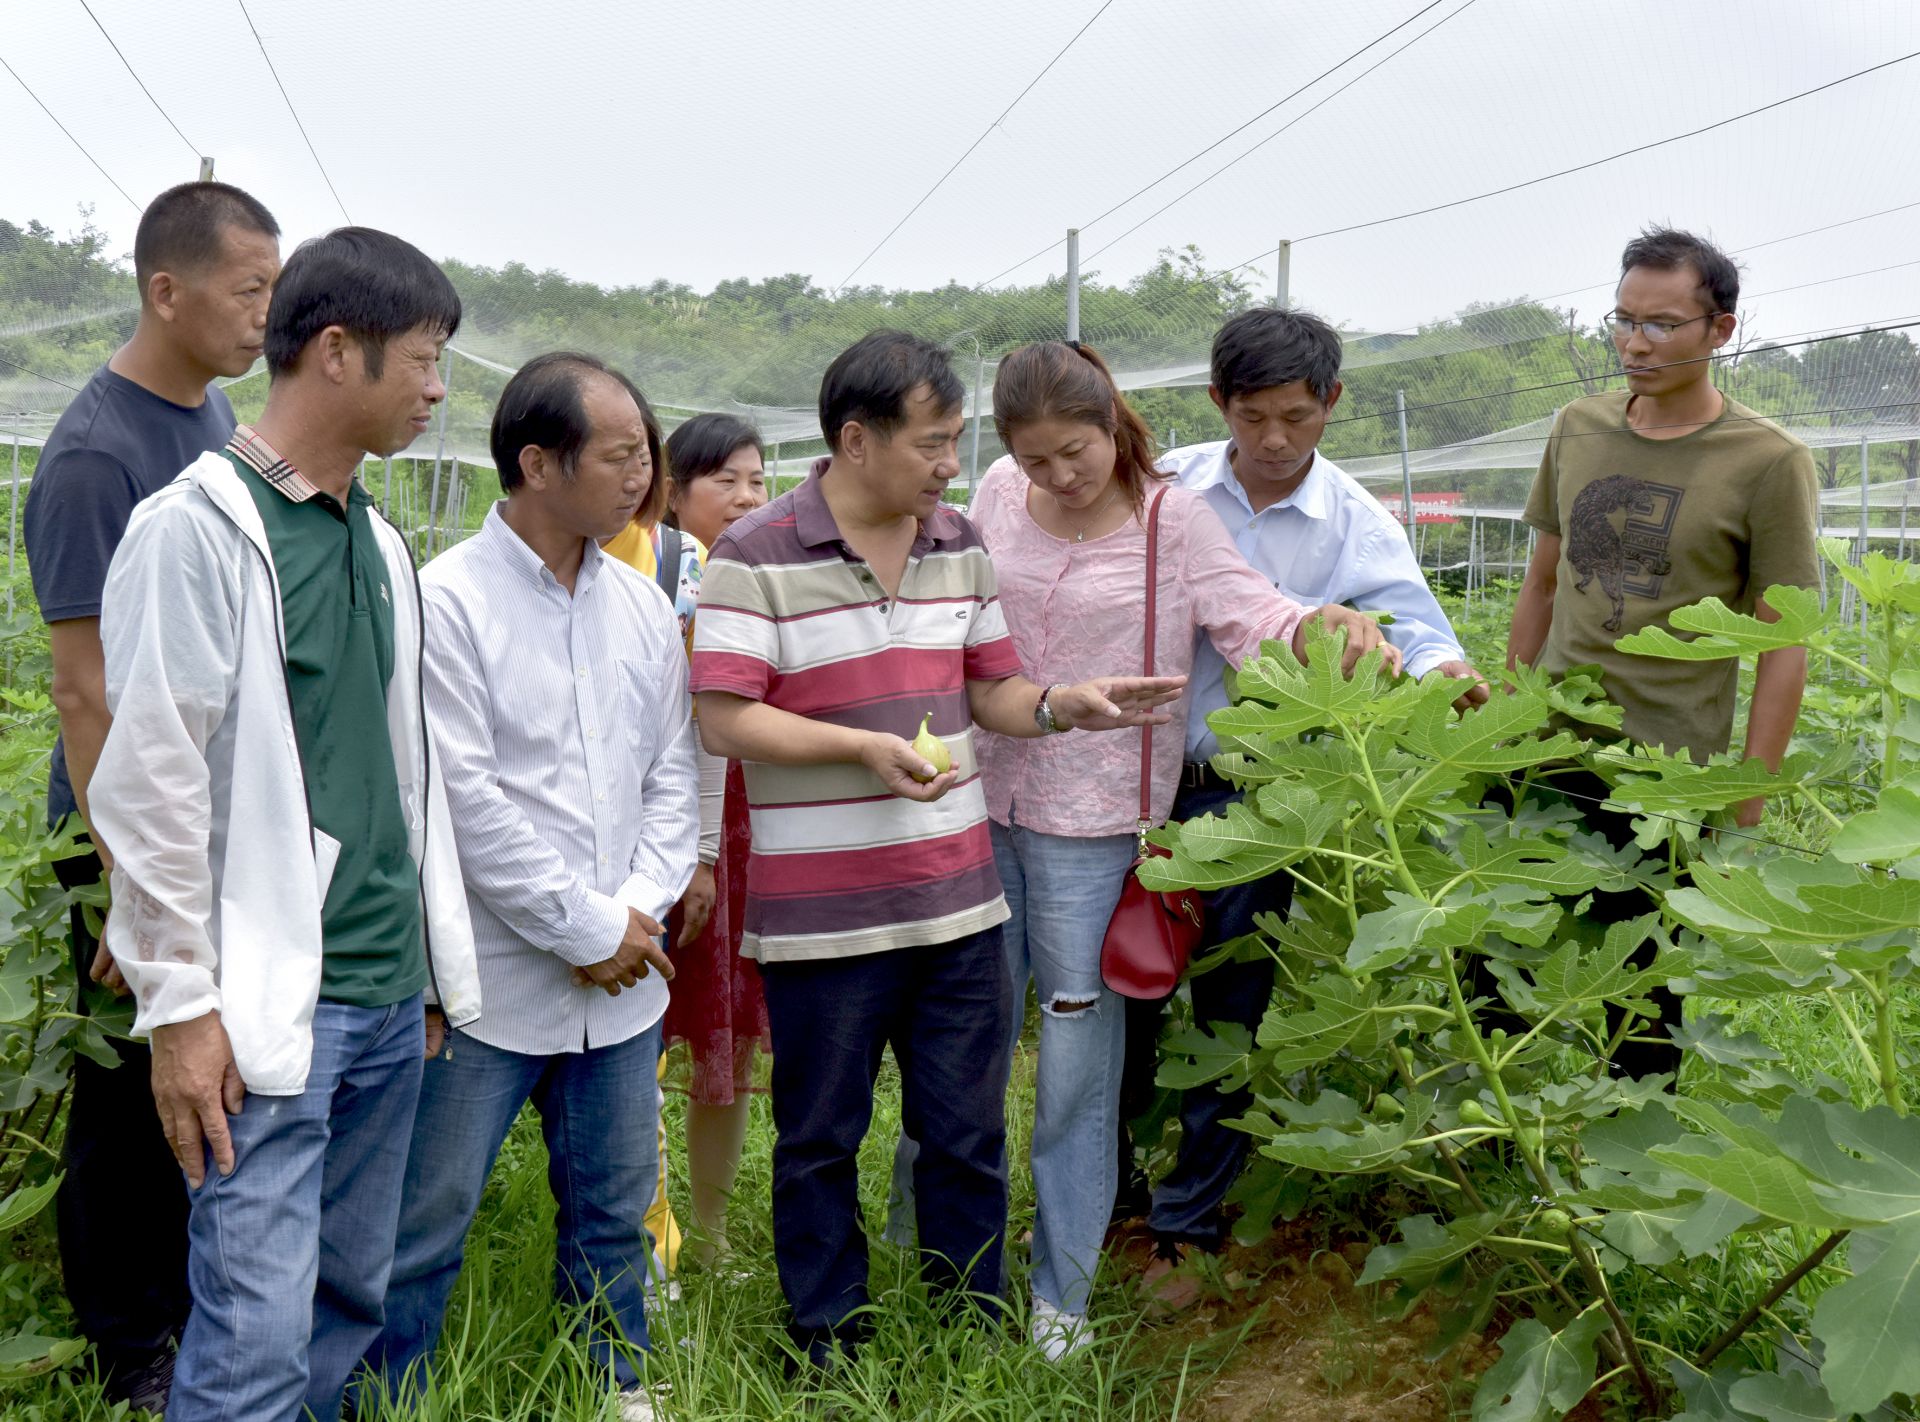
column 1043, row 713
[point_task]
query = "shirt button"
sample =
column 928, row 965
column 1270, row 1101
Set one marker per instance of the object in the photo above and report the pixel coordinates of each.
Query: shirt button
column 601, row 796
column 589, row 733
column 603, row 859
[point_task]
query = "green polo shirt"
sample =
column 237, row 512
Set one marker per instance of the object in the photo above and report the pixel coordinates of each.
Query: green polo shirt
column 338, row 610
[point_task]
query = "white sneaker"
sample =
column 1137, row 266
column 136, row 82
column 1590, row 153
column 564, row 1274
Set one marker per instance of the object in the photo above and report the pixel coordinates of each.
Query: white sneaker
column 641, row 1403
column 1058, row 1334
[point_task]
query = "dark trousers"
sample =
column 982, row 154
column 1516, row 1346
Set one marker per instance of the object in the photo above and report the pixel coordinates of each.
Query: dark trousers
column 1584, row 791
column 126, row 1278
column 1187, row 1200
column 943, row 1009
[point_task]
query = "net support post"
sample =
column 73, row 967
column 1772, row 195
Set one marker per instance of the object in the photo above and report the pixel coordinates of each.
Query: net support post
column 1406, row 468
column 1073, row 283
column 979, row 382
column 1863, row 521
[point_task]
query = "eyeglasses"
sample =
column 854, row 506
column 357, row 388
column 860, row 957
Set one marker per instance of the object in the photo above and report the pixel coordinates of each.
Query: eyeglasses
column 1659, row 332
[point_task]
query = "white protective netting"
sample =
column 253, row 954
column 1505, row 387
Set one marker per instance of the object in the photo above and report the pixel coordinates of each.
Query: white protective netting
column 685, row 155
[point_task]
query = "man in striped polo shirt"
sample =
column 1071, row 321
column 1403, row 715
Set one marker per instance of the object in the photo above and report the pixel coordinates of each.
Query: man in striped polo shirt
column 831, row 623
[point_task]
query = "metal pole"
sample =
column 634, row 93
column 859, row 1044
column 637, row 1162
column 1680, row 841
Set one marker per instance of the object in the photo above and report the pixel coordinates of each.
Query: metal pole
column 1906, row 488
column 1073, row 283
column 1283, row 276
column 1863, row 521
column 440, row 449
column 1863, row 496
column 1406, row 469
column 1473, row 553
column 979, row 379
column 13, row 517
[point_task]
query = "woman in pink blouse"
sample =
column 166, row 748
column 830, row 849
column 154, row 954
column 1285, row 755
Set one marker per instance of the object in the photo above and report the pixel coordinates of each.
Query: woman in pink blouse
column 1065, row 521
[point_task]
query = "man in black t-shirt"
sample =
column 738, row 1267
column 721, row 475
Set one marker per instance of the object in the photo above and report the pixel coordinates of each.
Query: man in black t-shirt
column 205, row 256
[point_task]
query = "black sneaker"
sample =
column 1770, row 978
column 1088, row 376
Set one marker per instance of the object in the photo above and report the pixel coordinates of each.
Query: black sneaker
column 143, row 1386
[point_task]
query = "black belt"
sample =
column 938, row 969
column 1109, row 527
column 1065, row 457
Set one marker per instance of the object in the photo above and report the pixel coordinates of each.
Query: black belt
column 1200, row 775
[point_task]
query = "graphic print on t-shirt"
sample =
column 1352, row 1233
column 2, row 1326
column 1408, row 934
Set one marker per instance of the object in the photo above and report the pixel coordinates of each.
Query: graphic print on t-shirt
column 1596, row 549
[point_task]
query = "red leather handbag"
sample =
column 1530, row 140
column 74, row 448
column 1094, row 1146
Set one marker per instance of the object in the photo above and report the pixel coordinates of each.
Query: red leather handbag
column 1151, row 936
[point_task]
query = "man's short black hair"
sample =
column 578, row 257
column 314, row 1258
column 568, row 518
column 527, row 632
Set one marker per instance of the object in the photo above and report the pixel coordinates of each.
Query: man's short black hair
column 543, row 406
column 1666, row 249
column 371, row 284
column 1266, row 347
column 181, row 229
column 871, row 379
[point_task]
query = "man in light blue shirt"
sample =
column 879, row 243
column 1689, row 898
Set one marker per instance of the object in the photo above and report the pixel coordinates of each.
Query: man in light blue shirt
column 1321, row 538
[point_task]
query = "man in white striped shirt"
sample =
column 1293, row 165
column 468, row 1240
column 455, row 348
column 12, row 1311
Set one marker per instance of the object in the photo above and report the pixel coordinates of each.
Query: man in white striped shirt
column 557, row 686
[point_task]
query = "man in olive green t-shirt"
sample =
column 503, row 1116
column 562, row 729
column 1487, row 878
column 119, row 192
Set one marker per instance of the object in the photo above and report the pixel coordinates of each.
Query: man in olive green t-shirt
column 1649, row 499
column 1655, row 497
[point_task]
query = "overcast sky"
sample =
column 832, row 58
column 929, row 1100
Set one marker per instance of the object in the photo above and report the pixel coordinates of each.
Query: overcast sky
column 625, row 142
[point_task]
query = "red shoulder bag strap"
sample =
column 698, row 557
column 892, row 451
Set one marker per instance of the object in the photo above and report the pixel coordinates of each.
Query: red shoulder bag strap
column 1146, row 732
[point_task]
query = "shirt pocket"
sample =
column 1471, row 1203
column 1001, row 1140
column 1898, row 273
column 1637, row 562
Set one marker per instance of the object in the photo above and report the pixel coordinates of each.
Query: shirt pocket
column 642, row 705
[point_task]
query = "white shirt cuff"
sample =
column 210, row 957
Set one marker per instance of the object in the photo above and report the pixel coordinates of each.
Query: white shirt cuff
column 603, row 923
column 644, row 894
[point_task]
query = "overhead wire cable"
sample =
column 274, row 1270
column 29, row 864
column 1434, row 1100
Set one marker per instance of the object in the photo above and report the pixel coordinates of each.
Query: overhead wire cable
column 29, row 370
column 984, row 133
column 1717, row 356
column 1413, row 328
column 1812, row 231
column 295, row 112
column 136, row 78
column 1491, row 442
column 1591, row 163
column 1242, row 128
column 1823, row 281
column 69, row 133
column 1384, row 59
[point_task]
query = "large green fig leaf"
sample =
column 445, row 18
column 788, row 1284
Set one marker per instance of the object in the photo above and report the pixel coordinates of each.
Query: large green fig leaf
column 1541, row 1375
column 1725, row 633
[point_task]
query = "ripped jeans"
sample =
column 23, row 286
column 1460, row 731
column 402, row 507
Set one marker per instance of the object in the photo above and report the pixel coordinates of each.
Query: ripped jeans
column 1061, row 892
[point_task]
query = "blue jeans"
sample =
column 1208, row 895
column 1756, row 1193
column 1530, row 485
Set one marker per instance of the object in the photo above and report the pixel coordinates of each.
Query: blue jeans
column 599, row 1112
column 943, row 1009
column 1211, row 1154
column 288, row 1256
column 1061, row 891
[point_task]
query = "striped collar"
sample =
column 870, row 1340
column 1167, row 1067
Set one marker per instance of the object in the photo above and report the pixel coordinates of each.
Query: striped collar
column 814, row 521
column 265, row 460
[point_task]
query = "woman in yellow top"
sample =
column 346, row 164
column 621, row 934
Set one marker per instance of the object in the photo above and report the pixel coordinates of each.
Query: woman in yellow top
column 652, row 528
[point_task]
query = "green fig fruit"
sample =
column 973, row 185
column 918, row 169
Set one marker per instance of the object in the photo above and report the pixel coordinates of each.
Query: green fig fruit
column 931, row 749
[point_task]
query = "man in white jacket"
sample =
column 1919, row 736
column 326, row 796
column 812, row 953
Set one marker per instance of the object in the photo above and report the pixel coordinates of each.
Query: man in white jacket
column 558, row 689
column 285, row 884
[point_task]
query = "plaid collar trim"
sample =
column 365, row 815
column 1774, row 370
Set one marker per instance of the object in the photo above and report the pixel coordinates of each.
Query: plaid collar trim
column 264, row 460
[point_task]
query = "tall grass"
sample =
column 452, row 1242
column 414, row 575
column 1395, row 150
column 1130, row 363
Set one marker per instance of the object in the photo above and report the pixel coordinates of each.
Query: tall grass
column 509, row 1354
